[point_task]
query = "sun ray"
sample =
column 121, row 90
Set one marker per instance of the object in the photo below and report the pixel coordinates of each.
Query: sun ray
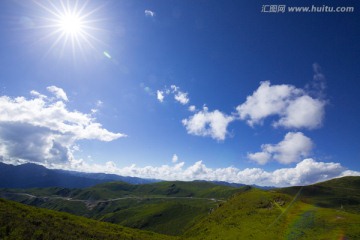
column 71, row 25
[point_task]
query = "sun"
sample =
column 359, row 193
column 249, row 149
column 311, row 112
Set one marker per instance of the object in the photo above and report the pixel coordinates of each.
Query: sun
column 71, row 25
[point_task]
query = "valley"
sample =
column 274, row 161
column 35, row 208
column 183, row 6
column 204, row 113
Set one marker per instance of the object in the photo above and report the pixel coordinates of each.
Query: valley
column 203, row 210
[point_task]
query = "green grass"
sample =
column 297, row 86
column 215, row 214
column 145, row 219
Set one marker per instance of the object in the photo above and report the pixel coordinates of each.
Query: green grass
column 271, row 215
column 341, row 194
column 164, row 207
column 18, row 221
column 328, row 210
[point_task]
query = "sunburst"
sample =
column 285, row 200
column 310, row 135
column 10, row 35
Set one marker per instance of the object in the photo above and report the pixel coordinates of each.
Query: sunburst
column 71, row 25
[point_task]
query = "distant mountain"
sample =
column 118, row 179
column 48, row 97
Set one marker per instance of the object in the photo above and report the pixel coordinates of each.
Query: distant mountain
column 31, row 175
column 241, row 185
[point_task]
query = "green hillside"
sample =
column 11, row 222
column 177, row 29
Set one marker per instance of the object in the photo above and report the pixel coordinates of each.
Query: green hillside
column 341, row 193
column 195, row 210
column 18, row 221
column 164, row 207
column 259, row 214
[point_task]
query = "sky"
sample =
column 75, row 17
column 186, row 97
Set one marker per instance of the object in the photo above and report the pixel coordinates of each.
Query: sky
column 182, row 90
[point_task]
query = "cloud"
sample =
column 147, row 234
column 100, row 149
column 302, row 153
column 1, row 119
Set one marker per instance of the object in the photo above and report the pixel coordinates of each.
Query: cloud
column 179, row 96
column 205, row 123
column 260, row 157
column 175, row 158
column 306, row 172
column 303, row 112
column 42, row 129
column 318, row 78
column 294, row 107
column 192, row 108
column 293, row 148
column 160, row 95
column 182, row 97
column 58, row 92
column 149, row 13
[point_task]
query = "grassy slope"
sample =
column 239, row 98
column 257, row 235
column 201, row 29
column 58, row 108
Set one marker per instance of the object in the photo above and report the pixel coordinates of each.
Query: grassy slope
column 341, row 193
column 165, row 207
column 258, row 214
column 249, row 214
column 18, row 221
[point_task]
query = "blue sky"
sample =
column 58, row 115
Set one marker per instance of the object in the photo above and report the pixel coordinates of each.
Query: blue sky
column 185, row 90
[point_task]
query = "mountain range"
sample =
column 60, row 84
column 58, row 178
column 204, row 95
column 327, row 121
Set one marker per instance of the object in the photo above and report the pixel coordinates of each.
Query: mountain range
column 31, row 175
column 177, row 210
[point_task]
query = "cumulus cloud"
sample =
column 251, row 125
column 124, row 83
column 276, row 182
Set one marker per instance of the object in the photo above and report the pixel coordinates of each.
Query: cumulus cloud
column 307, row 171
column 293, row 148
column 149, row 13
column 58, row 92
column 42, row 129
column 302, row 112
column 205, row 123
column 294, row 107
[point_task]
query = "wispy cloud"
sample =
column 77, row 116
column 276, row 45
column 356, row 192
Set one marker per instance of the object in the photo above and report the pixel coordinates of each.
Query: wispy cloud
column 175, row 158
column 149, row 13
column 58, row 92
column 179, row 96
column 293, row 148
column 182, row 97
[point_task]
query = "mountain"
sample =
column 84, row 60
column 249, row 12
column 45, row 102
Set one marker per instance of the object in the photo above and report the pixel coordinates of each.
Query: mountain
column 340, row 193
column 241, row 185
column 31, row 175
column 164, row 207
column 286, row 214
column 202, row 210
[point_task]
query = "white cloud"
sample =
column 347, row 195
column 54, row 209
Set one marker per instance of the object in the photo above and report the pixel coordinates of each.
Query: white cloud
column 294, row 107
column 175, row 158
column 58, row 92
column 98, row 105
column 192, row 108
column 43, row 130
column 174, row 88
column 303, row 112
column 260, row 157
column 182, row 97
column 293, row 148
column 149, row 13
column 205, row 123
column 307, row 171
column 160, row 95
